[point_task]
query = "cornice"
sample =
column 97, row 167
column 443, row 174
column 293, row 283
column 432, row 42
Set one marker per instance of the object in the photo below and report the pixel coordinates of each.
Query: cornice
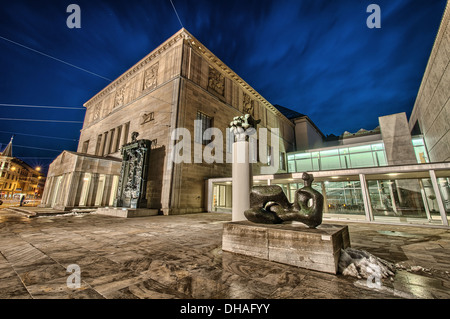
column 198, row 47
column 181, row 34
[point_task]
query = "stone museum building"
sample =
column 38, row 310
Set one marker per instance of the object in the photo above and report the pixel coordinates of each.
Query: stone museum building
column 179, row 82
column 398, row 172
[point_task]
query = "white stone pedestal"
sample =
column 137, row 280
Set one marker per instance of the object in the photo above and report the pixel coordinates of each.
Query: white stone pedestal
column 241, row 181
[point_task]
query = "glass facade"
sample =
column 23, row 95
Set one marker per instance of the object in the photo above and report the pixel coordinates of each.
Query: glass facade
column 342, row 197
column 222, row 199
column 403, row 198
column 370, row 155
column 444, row 188
column 420, row 150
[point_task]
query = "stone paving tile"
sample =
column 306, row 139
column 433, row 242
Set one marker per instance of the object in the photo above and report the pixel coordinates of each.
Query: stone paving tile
column 12, row 288
column 164, row 257
column 57, row 289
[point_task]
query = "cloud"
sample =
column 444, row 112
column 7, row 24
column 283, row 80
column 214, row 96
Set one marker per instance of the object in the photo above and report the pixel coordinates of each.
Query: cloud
column 317, row 57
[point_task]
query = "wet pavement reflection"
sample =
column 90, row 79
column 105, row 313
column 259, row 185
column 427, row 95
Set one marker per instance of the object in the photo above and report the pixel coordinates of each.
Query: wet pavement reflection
column 181, row 257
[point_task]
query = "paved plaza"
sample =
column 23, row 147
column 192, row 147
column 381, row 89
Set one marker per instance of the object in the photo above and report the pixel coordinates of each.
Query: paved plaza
column 180, row 257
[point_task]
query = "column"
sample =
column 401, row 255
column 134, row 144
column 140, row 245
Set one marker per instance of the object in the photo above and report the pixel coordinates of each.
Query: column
column 114, row 141
column 73, row 187
column 107, row 143
column 210, row 194
column 92, row 190
column 47, row 191
column 424, row 199
column 124, row 137
column 325, row 198
column 366, row 198
column 437, row 193
column 241, row 180
column 102, row 144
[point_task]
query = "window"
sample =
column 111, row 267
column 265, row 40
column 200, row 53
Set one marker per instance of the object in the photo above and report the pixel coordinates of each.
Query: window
column 330, row 159
column 420, row 150
column 303, row 162
column 85, row 146
column 269, row 155
column 97, row 147
column 282, row 161
column 202, row 123
column 119, row 133
column 109, row 148
column 362, row 160
column 371, row 155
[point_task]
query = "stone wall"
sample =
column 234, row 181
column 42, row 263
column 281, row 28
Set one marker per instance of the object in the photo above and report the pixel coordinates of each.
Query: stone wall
column 432, row 107
column 209, row 87
column 397, row 139
column 71, row 174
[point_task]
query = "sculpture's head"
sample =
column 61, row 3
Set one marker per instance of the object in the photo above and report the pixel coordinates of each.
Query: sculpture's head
column 307, row 179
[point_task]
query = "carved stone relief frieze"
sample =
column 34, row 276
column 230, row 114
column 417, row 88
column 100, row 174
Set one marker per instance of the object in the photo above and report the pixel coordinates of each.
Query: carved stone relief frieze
column 216, row 81
column 248, row 105
column 120, row 96
column 151, row 77
column 97, row 110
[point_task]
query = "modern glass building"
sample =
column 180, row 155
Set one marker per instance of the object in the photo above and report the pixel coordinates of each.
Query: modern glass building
column 345, row 157
column 358, row 184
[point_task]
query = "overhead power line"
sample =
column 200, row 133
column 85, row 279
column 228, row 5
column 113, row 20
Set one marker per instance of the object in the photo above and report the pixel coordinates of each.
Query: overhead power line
column 34, row 120
column 56, row 59
column 74, row 66
column 45, row 106
column 43, row 136
column 36, row 157
column 37, row 148
column 173, row 6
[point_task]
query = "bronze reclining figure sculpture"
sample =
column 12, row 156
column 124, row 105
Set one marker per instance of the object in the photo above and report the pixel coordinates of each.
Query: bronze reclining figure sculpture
column 269, row 205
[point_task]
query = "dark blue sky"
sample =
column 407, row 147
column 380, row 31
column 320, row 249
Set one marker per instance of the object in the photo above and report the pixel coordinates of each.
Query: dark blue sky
column 316, row 57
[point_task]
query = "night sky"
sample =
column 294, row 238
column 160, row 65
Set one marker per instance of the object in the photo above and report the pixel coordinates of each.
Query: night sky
column 316, row 57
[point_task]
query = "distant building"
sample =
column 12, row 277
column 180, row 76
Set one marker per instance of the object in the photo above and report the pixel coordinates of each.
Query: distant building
column 17, row 178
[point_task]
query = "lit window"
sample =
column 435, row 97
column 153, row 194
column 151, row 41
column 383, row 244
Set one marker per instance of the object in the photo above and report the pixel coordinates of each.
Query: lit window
column 203, row 123
column 420, row 150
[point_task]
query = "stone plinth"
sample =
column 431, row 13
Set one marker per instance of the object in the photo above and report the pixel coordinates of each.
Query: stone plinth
column 292, row 244
column 127, row 212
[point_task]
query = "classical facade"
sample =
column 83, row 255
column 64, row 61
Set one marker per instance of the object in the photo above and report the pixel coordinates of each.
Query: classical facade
column 178, row 83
